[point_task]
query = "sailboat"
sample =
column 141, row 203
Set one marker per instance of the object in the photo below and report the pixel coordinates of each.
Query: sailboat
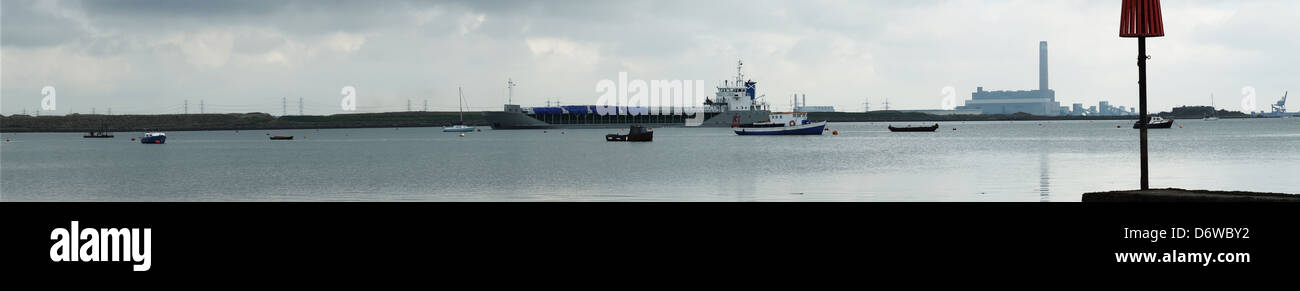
column 459, row 126
column 1214, row 112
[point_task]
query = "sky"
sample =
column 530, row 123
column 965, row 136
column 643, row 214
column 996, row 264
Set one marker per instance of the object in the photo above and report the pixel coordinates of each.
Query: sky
column 151, row 57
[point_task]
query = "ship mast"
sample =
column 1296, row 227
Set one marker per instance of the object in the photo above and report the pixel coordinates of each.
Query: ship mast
column 510, row 90
column 740, row 76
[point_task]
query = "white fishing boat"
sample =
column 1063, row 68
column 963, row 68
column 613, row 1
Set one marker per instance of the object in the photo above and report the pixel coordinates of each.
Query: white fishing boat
column 783, row 123
column 460, row 126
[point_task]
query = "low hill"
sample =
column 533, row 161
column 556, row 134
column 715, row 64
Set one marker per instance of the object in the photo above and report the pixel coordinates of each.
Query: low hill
column 229, row 121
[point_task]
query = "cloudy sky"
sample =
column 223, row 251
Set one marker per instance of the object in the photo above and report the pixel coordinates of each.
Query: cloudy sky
column 244, row 56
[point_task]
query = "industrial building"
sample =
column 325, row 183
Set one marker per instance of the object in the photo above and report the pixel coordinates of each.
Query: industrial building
column 1037, row 102
column 802, row 106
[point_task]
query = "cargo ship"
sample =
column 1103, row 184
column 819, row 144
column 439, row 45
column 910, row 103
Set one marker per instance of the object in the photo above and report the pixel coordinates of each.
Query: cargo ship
column 734, row 104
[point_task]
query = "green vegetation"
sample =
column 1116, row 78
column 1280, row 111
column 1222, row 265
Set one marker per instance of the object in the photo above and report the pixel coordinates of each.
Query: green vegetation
column 1194, row 112
column 231, row 121
column 243, row 121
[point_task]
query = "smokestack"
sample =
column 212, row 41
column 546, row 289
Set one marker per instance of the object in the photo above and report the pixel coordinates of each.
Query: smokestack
column 1042, row 65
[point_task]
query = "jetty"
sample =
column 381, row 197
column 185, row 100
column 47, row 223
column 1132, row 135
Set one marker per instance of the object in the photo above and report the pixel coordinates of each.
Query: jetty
column 1184, row 195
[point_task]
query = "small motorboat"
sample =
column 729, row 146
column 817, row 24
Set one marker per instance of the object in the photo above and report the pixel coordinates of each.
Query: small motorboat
column 910, row 128
column 458, row 127
column 154, row 138
column 281, row 137
column 1156, row 122
column 97, row 134
column 783, row 123
column 635, row 133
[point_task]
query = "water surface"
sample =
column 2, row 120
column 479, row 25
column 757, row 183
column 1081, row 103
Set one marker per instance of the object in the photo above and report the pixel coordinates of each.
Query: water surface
column 979, row 161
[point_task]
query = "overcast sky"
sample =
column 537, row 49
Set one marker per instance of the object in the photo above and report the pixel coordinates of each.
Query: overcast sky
column 244, row 56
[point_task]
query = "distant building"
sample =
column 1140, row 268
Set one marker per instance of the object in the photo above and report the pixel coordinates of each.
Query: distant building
column 947, row 112
column 1105, row 109
column 803, row 106
column 1037, row 102
column 806, row 108
column 1077, row 109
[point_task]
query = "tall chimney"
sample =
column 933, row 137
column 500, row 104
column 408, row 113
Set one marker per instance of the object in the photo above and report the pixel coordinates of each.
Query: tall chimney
column 1042, row 65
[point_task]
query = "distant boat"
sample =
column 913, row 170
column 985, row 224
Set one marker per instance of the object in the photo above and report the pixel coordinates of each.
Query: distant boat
column 1156, row 122
column 634, row 133
column 783, row 123
column 281, row 137
column 1214, row 113
column 154, row 137
column 910, row 128
column 102, row 133
column 459, row 126
column 97, row 134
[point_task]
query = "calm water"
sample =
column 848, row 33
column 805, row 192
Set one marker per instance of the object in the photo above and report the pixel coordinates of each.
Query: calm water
column 980, row 161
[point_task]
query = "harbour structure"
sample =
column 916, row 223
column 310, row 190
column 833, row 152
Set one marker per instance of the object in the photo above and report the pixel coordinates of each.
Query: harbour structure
column 734, row 103
column 1038, row 102
column 1278, row 109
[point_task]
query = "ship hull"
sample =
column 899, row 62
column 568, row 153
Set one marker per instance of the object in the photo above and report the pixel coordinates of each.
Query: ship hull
column 806, row 129
column 154, row 140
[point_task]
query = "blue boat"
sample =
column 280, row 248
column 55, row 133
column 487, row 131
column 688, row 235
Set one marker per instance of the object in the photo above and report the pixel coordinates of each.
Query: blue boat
column 154, row 137
column 787, row 123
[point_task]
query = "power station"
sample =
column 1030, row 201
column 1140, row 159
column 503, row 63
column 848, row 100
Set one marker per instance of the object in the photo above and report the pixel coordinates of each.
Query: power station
column 1037, row 102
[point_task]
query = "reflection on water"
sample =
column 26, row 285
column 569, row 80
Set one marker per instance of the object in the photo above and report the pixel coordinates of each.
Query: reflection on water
column 981, row 161
column 1044, row 179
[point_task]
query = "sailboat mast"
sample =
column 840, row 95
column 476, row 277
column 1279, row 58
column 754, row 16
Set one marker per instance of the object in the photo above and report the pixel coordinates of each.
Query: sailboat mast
column 460, row 105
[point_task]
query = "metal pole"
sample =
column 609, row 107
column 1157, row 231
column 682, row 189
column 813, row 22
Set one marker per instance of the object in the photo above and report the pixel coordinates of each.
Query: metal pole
column 1143, row 119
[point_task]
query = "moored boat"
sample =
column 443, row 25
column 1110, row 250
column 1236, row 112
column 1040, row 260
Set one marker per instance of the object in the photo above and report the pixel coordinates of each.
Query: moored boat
column 281, row 137
column 154, row 138
column 1156, row 122
column 783, row 123
column 459, row 126
column 97, row 134
column 914, row 128
column 634, row 133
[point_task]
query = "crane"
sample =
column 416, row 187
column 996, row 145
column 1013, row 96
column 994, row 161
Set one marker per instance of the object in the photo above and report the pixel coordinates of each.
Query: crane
column 1280, row 107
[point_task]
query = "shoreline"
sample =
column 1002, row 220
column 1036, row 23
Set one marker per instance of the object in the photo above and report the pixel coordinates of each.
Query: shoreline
column 264, row 121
